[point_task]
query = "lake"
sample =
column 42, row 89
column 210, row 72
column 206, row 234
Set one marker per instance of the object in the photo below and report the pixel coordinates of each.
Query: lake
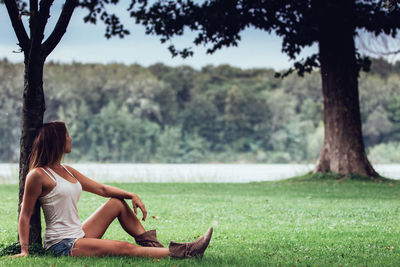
column 207, row 173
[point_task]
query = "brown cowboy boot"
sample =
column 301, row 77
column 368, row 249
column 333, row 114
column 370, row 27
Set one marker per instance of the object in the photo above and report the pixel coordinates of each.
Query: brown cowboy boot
column 192, row 249
column 148, row 239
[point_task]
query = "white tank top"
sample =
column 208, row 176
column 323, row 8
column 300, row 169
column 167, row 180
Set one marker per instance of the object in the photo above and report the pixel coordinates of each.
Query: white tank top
column 60, row 210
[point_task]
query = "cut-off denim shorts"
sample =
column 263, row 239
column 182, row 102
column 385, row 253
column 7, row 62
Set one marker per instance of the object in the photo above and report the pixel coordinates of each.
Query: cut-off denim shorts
column 63, row 248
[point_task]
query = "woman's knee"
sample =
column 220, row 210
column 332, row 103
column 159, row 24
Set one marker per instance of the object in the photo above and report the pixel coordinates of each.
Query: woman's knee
column 116, row 203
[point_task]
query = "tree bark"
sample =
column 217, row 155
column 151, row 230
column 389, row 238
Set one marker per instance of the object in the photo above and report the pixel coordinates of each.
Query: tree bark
column 343, row 149
column 33, row 107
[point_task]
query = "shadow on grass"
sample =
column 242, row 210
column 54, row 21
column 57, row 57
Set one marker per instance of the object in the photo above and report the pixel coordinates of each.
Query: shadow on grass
column 336, row 177
column 15, row 248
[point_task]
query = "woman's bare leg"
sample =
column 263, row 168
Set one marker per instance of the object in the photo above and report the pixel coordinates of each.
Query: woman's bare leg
column 96, row 225
column 100, row 247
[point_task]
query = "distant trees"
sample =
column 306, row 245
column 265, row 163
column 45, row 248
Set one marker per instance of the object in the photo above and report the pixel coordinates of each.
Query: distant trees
column 332, row 24
column 119, row 113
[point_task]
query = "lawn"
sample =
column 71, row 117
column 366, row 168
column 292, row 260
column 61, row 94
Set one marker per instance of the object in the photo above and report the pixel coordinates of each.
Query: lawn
column 298, row 222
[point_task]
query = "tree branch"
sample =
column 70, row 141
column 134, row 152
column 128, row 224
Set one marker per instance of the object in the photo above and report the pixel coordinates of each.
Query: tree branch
column 44, row 14
column 33, row 10
column 33, row 15
column 17, row 24
column 60, row 28
column 33, row 6
column 38, row 23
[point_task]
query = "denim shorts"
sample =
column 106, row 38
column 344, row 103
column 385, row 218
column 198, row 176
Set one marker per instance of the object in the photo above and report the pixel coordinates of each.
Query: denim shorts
column 63, row 248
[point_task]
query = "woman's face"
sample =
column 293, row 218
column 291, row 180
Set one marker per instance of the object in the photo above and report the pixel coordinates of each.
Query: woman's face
column 68, row 143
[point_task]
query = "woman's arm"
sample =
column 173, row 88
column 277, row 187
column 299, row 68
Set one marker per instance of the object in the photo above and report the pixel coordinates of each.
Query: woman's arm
column 92, row 186
column 33, row 189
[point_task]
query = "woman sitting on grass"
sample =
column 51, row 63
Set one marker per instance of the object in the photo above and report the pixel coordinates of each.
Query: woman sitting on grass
column 58, row 188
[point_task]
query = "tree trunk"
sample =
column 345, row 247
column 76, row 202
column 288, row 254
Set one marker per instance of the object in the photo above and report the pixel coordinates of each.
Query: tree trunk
column 33, row 104
column 33, row 108
column 343, row 149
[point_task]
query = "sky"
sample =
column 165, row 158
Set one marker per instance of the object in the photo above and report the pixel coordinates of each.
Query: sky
column 86, row 43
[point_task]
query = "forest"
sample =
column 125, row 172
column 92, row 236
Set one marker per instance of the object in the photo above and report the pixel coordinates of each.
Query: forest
column 163, row 114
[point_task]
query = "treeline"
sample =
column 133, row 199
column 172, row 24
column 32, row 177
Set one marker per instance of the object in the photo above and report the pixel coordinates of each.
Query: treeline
column 120, row 113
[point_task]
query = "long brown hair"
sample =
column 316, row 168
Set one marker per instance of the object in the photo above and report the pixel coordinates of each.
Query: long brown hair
column 49, row 144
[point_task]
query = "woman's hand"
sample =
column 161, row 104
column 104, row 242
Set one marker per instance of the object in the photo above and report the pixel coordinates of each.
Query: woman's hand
column 137, row 203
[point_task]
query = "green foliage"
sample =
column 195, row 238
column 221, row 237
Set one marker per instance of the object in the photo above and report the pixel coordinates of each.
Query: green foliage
column 385, row 153
column 314, row 142
column 11, row 88
column 377, row 125
column 169, row 145
column 394, row 108
column 202, row 118
column 119, row 113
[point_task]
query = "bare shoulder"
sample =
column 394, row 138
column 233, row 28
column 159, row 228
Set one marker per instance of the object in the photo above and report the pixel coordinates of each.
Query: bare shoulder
column 35, row 174
column 34, row 184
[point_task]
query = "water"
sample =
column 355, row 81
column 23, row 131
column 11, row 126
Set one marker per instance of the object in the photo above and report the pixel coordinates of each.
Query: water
column 209, row 173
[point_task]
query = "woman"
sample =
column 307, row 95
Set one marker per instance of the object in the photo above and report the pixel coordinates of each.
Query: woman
column 58, row 188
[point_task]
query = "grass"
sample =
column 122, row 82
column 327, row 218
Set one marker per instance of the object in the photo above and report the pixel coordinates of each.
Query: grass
column 298, row 222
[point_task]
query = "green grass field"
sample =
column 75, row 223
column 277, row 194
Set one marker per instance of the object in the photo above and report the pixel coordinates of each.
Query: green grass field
column 298, row 222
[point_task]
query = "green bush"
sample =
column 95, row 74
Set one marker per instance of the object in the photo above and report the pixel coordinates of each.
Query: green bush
column 385, row 153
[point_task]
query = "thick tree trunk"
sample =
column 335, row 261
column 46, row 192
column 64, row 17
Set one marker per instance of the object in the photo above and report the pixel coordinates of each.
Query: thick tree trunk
column 343, row 149
column 33, row 108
